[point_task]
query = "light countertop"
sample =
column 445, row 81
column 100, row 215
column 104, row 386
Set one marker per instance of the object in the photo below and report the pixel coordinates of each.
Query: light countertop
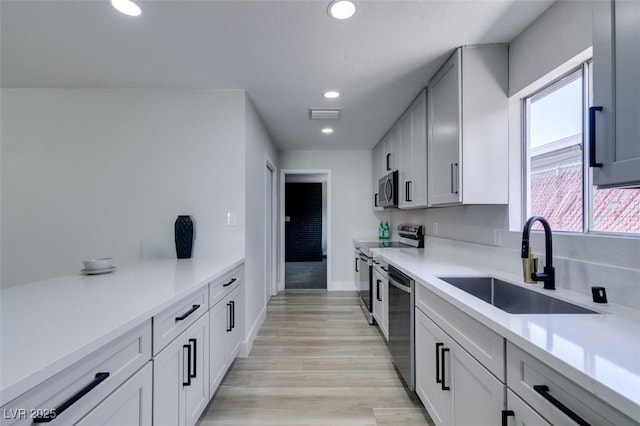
column 600, row 352
column 48, row 325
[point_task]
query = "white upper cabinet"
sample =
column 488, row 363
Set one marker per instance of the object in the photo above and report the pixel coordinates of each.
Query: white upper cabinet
column 616, row 111
column 412, row 180
column 467, row 125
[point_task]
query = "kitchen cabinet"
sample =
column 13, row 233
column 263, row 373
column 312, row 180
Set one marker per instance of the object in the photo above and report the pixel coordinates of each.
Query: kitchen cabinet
column 412, row 179
column 386, row 158
column 73, row 393
column 181, row 377
column 454, row 387
column 520, row 414
column 226, row 327
column 554, row 397
column 615, row 158
column 381, row 300
column 378, row 172
column 467, row 126
column 130, row 405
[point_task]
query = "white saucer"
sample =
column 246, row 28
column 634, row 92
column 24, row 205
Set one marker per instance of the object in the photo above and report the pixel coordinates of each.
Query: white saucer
column 98, row 271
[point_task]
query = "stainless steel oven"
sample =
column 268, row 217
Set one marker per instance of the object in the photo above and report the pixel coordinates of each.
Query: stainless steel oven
column 401, row 328
column 364, row 272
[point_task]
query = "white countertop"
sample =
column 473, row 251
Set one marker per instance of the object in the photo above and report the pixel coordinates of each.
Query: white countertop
column 600, row 352
column 48, row 325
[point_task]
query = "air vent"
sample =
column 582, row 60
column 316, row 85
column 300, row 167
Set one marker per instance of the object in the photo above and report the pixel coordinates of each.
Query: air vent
column 324, row 113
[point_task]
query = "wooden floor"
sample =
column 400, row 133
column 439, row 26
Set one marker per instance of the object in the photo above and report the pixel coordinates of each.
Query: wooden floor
column 315, row 362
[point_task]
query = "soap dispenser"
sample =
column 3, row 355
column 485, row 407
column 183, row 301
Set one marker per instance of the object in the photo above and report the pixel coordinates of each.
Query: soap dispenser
column 529, row 266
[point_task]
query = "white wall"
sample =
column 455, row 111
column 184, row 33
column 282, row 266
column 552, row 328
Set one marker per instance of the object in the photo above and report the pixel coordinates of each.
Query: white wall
column 259, row 148
column 351, row 203
column 562, row 33
column 90, row 173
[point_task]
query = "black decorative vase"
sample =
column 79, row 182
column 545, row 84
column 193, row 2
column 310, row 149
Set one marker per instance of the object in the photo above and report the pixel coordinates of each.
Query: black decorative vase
column 184, row 237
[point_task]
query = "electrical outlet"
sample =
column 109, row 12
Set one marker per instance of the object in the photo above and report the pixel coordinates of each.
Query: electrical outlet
column 497, row 236
column 231, row 218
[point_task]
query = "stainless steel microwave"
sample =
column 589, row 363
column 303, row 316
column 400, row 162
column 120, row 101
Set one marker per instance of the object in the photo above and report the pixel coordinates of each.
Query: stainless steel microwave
column 388, row 191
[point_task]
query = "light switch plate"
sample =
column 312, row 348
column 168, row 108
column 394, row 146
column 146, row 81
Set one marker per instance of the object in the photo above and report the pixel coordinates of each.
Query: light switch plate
column 231, row 218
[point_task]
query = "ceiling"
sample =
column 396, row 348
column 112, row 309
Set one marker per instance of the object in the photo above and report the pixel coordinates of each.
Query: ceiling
column 285, row 54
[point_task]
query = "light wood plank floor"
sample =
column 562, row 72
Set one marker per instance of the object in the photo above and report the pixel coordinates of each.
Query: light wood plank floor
column 315, row 362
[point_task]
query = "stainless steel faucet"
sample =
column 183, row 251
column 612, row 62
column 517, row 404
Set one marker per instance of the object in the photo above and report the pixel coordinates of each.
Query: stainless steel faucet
column 548, row 275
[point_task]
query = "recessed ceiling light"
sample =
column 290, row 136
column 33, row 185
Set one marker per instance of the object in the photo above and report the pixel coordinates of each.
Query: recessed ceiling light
column 327, row 130
column 342, row 9
column 331, row 94
column 127, row 7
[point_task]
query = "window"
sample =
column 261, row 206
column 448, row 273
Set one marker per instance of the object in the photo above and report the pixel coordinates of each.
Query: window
column 557, row 179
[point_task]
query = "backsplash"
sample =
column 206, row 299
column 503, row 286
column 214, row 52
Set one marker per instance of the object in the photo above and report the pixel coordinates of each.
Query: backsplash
column 480, row 234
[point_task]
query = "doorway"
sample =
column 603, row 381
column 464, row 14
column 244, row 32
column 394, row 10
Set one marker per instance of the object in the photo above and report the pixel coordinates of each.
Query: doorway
column 305, row 233
column 271, row 206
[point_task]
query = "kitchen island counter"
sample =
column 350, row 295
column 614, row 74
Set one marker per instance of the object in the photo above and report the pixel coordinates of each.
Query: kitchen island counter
column 49, row 325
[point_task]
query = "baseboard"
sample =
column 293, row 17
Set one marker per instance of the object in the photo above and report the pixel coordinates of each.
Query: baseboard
column 247, row 344
column 342, row 286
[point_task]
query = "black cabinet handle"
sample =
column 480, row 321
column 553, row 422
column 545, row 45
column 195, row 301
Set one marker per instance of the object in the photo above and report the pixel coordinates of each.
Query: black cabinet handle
column 233, row 280
column 375, row 200
column 388, row 161
column 229, row 317
column 233, row 314
column 407, row 191
column 357, row 265
column 188, row 358
column 444, row 387
column 189, row 312
column 195, row 360
column 592, row 136
column 53, row 414
column 378, row 290
column 543, row 390
column 438, row 346
column 505, row 416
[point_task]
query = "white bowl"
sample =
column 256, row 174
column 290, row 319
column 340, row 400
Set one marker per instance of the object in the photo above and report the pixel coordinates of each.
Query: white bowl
column 98, row 264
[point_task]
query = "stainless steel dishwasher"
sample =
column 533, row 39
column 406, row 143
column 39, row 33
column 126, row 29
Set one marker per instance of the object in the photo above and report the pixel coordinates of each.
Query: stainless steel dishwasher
column 401, row 333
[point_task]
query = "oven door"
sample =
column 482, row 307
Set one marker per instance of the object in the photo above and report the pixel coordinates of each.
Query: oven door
column 365, row 285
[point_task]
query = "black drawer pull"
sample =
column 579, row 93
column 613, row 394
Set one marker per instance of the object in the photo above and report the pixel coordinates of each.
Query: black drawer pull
column 192, row 375
column 233, row 314
column 188, row 358
column 543, row 390
column 438, row 346
column 505, row 416
column 229, row 328
column 189, row 312
column 100, row 377
column 444, row 387
column 233, row 280
column 592, row 136
column 378, row 282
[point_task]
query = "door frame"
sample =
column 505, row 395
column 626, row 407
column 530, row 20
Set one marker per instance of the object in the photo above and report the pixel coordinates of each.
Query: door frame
column 271, row 285
column 283, row 176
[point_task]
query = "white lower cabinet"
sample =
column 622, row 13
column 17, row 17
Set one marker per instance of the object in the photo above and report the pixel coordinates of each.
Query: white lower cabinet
column 71, row 395
column 226, row 333
column 381, row 301
column 454, row 387
column 556, row 398
column 181, row 377
column 129, row 405
column 520, row 414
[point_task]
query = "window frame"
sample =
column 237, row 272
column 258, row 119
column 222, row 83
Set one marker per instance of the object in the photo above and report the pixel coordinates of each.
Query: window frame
column 583, row 68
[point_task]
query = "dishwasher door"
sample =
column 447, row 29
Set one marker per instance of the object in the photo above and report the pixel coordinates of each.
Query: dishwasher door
column 401, row 325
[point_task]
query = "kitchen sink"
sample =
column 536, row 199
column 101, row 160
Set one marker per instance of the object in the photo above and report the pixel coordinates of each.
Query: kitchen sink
column 512, row 298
